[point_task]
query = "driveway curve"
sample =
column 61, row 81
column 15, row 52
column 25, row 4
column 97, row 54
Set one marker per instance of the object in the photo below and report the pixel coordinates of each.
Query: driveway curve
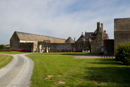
column 17, row 73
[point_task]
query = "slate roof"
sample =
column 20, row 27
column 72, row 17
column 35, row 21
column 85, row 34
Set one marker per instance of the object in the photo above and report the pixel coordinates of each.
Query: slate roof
column 69, row 40
column 88, row 34
column 82, row 38
column 34, row 37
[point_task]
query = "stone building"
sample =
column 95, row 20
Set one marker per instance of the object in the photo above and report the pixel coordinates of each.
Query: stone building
column 97, row 39
column 121, row 31
column 82, row 44
column 20, row 40
column 90, row 41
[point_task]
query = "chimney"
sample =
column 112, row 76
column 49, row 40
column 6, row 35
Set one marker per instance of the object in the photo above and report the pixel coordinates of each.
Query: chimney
column 101, row 27
column 82, row 33
column 98, row 27
column 85, row 33
column 74, row 39
column 105, row 31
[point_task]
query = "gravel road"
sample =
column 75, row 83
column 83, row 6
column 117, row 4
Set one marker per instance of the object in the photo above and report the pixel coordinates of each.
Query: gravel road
column 17, row 73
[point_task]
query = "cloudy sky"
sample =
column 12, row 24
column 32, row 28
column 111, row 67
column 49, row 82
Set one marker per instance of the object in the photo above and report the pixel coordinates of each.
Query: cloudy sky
column 59, row 18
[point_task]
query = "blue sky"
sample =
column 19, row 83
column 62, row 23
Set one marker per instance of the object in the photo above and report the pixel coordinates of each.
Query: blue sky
column 59, row 18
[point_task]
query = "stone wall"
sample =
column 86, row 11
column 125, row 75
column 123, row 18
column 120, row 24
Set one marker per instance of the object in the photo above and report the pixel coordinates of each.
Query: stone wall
column 56, row 47
column 109, row 47
column 121, row 31
column 82, row 45
column 14, row 41
column 97, row 44
column 122, row 24
column 61, row 46
column 27, row 46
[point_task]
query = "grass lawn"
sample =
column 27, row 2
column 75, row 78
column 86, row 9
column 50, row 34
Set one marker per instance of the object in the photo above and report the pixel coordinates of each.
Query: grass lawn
column 70, row 53
column 13, row 52
column 64, row 71
column 4, row 60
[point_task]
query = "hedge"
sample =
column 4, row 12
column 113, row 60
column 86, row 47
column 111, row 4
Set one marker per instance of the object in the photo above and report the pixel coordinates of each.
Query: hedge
column 123, row 53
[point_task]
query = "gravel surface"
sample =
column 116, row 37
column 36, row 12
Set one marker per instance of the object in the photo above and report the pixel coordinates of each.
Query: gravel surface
column 17, row 73
column 92, row 56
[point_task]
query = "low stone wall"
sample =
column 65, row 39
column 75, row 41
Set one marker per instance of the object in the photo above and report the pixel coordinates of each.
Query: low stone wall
column 61, row 47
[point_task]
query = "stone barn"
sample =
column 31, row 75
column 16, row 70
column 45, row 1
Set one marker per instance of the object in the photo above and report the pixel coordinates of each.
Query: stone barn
column 121, row 31
column 21, row 40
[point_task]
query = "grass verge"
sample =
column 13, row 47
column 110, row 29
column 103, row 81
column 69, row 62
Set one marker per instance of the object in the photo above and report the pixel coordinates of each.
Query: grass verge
column 13, row 52
column 65, row 71
column 4, row 60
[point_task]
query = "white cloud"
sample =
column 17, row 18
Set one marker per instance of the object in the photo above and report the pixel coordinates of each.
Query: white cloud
column 59, row 18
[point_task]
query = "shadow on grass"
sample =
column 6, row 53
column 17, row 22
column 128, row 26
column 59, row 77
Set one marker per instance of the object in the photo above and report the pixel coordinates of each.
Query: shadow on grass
column 74, row 53
column 107, row 62
column 114, row 74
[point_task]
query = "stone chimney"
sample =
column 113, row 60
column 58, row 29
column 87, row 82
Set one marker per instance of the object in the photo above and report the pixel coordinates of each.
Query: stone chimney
column 98, row 27
column 74, row 39
column 105, row 31
column 101, row 27
column 82, row 33
column 85, row 33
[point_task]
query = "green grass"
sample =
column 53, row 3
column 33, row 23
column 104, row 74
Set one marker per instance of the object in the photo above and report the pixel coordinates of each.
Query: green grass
column 70, row 53
column 78, row 72
column 13, row 52
column 4, row 60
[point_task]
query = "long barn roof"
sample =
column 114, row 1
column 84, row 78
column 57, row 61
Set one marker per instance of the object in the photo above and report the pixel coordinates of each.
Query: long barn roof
column 34, row 37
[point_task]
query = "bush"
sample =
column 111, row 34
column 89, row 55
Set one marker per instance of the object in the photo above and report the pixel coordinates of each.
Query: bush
column 123, row 52
column 2, row 47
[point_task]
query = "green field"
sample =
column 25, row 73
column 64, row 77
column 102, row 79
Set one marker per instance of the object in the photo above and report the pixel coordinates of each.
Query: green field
column 4, row 60
column 52, row 70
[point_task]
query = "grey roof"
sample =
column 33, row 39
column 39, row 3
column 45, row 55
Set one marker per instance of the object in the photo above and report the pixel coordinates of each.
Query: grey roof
column 88, row 34
column 69, row 40
column 82, row 38
column 34, row 37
